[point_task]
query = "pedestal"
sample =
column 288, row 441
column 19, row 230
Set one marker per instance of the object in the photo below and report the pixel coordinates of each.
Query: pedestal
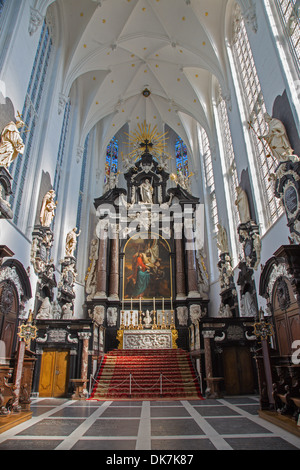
column 80, row 389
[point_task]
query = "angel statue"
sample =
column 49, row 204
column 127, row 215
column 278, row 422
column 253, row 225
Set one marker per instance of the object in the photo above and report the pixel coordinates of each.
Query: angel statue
column 11, row 143
column 71, row 242
column 48, row 208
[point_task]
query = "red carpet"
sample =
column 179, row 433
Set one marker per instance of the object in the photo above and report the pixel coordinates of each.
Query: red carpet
column 147, row 375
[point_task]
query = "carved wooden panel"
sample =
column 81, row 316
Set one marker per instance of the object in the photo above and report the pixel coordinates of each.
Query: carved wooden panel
column 286, row 315
column 8, row 316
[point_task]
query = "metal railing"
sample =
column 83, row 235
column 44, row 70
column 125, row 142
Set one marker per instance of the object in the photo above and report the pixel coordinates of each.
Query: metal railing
column 130, row 378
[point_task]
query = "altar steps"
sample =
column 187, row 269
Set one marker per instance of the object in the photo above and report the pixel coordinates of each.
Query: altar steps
column 147, row 375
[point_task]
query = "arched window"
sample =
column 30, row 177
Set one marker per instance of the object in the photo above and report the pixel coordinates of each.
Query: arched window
column 254, row 110
column 209, row 179
column 82, row 183
column 30, row 115
column 112, row 153
column 2, row 6
column 289, row 14
column 61, row 150
column 181, row 157
column 229, row 169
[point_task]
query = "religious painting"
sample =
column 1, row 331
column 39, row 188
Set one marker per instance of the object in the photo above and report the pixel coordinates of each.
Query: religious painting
column 147, row 268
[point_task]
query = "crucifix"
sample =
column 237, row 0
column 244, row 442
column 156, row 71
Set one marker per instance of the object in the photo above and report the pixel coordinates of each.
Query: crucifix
column 146, row 144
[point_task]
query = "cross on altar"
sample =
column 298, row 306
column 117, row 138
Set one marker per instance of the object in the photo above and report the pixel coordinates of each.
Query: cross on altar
column 146, row 144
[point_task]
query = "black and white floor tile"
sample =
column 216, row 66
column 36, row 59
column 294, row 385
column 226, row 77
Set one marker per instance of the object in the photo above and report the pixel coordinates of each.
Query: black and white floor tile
column 223, row 424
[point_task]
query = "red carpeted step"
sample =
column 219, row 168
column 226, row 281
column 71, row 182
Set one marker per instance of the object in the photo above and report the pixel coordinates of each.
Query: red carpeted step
column 146, row 374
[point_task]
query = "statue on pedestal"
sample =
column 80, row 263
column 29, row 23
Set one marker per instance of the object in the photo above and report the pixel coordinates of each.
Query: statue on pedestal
column 243, row 205
column 71, row 242
column 11, row 143
column 222, row 240
column 146, row 191
column 278, row 140
column 48, row 208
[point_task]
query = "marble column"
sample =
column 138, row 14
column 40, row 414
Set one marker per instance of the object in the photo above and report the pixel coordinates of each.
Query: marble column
column 193, row 290
column 114, row 266
column 208, row 335
column 102, row 265
column 84, row 336
column 179, row 259
column 18, row 375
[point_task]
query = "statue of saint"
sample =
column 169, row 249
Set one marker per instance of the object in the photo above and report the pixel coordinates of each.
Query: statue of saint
column 222, row 240
column 243, row 205
column 146, row 192
column 11, row 143
column 278, row 140
column 71, row 242
column 48, row 208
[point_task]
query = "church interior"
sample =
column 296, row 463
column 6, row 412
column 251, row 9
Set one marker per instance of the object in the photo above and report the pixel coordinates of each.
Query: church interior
column 150, row 223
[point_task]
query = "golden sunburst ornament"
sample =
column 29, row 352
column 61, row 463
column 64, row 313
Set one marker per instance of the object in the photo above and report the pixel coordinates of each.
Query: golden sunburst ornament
column 145, row 138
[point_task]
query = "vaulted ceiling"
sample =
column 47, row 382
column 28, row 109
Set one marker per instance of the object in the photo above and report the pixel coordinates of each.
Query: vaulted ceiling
column 115, row 49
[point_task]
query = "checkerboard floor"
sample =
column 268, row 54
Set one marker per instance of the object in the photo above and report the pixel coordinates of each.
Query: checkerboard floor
column 231, row 423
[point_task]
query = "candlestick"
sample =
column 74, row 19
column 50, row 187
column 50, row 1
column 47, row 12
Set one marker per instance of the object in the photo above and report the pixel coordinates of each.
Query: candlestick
column 163, row 304
column 171, row 303
column 154, row 304
column 140, row 304
column 131, row 303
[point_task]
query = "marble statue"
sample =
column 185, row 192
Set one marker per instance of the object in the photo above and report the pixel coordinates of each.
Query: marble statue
column 222, row 240
column 243, row 205
column 11, row 143
column 147, row 320
column 278, row 140
column 45, row 310
column 71, row 242
column 146, row 191
column 48, row 208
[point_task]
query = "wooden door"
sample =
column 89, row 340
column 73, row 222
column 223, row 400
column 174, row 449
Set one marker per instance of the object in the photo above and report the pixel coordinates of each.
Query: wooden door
column 238, row 371
column 54, row 373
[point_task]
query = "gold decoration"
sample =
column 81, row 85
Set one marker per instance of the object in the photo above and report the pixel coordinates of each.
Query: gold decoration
column 27, row 331
column 174, row 338
column 120, row 335
column 145, row 137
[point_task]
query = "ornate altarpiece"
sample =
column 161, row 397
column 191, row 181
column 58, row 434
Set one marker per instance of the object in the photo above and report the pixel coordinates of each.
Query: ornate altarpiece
column 144, row 280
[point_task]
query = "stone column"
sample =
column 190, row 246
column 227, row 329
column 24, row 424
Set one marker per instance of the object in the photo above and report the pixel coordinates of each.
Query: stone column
column 180, row 274
column 102, row 265
column 193, row 290
column 114, row 265
column 84, row 336
column 18, row 375
column 208, row 335
column 212, row 383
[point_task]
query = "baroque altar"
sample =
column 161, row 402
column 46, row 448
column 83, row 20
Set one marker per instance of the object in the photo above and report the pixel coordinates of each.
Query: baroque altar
column 147, row 279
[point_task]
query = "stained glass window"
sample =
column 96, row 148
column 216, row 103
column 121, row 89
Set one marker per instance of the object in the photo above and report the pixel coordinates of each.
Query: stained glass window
column 181, row 157
column 111, row 164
